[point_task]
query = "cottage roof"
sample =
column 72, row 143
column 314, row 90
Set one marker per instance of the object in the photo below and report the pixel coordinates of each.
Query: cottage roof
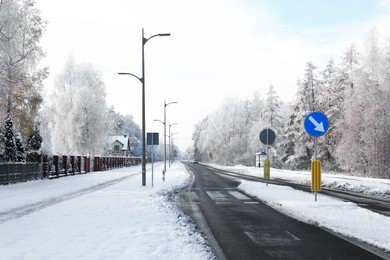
column 123, row 139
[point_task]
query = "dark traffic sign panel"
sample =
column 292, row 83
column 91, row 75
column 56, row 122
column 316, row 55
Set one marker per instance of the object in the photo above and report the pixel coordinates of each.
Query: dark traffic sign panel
column 316, row 124
column 267, row 136
column 152, row 139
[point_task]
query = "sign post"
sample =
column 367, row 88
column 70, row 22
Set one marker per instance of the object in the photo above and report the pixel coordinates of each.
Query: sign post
column 152, row 139
column 267, row 136
column 316, row 124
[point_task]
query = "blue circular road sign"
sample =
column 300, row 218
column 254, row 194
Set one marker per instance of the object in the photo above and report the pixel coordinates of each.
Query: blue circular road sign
column 316, row 124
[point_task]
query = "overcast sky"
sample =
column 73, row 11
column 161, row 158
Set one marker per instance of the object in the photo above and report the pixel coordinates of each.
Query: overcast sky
column 217, row 48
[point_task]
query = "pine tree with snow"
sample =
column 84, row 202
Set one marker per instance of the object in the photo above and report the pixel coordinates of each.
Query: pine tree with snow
column 20, row 151
column 34, row 145
column 271, row 109
column 9, row 139
column 2, row 147
column 298, row 144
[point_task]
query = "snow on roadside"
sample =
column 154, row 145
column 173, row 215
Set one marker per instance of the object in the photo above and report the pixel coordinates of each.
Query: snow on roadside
column 345, row 218
column 341, row 217
column 369, row 186
column 121, row 221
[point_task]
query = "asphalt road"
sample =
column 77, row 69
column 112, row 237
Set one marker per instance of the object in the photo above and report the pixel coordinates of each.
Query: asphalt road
column 239, row 227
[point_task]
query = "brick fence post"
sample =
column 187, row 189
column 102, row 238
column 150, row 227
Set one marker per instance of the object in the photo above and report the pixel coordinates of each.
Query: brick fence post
column 72, row 163
column 79, row 163
column 55, row 162
column 65, row 164
column 45, row 166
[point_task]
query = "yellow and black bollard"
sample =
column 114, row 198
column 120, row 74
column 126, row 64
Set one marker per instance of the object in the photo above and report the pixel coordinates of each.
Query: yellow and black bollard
column 267, row 168
column 316, row 177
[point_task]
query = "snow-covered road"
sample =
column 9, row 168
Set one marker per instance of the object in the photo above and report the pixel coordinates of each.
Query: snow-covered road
column 110, row 215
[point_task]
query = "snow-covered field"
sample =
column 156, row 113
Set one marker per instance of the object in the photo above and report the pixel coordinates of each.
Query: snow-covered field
column 109, row 215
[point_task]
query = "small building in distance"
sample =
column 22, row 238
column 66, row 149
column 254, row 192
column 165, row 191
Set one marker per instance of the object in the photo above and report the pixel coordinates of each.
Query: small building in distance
column 119, row 145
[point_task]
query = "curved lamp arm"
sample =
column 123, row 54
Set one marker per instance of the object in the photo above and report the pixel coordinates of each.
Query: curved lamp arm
column 126, row 73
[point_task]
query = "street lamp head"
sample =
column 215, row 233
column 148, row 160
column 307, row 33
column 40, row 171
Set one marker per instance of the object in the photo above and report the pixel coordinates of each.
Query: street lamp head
column 166, row 104
column 159, row 121
column 131, row 74
column 145, row 40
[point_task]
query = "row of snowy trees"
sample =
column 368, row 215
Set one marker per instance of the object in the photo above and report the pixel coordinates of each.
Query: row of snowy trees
column 13, row 148
column 230, row 135
column 75, row 120
column 78, row 118
column 21, row 28
column 354, row 94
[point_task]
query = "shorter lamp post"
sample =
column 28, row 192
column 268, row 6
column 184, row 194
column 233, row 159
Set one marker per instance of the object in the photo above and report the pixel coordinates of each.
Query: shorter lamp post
column 169, row 136
column 165, row 149
column 172, row 156
column 165, row 133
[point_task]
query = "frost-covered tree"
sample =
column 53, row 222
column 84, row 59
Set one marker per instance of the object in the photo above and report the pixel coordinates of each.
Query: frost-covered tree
column 61, row 109
column 200, row 154
column 297, row 143
column 9, row 139
column 230, row 135
column 33, row 147
column 271, row 109
column 21, row 28
column 365, row 143
column 2, row 147
column 125, row 125
column 90, row 115
column 331, row 101
column 349, row 67
column 79, row 120
column 20, row 155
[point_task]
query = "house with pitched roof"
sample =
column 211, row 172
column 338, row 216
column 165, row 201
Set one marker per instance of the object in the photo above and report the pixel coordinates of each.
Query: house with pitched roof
column 119, row 145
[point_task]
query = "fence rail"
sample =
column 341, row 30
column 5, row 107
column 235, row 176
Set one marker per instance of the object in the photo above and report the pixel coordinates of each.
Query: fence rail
column 19, row 172
column 61, row 165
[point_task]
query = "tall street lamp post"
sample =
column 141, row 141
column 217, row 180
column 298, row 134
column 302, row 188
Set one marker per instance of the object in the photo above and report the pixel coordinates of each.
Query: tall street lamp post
column 142, row 79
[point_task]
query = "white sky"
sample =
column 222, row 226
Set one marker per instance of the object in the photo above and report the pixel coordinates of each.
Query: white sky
column 217, row 49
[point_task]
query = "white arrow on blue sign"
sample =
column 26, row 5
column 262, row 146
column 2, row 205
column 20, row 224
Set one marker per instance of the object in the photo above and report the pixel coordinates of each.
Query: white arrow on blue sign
column 316, row 124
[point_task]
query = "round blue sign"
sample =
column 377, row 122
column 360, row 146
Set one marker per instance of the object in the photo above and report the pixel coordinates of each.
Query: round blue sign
column 316, row 124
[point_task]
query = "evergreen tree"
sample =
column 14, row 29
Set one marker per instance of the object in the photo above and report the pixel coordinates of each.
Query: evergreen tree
column 271, row 109
column 2, row 147
column 9, row 139
column 331, row 104
column 20, row 151
column 275, row 122
column 298, row 144
column 33, row 146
